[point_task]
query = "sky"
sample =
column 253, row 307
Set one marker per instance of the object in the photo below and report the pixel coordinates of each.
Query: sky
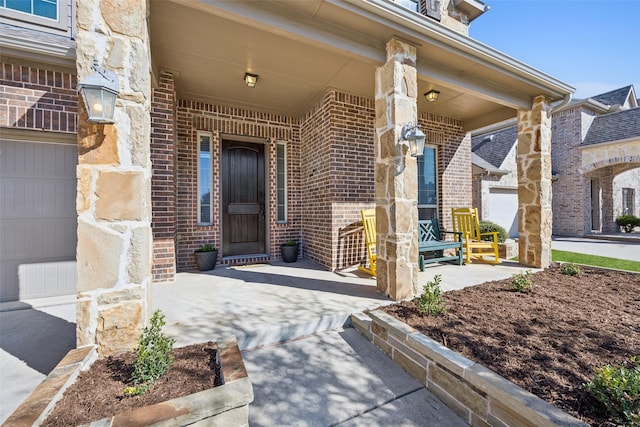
column 592, row 45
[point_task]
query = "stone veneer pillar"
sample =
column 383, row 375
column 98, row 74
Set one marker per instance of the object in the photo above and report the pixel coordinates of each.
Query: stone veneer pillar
column 534, row 184
column 606, row 184
column 114, row 180
column 396, row 173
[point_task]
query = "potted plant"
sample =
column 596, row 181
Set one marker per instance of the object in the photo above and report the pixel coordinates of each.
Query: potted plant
column 206, row 257
column 289, row 251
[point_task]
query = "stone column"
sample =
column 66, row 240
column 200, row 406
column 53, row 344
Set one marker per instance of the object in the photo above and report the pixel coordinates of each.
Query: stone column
column 396, row 173
column 534, row 184
column 114, row 180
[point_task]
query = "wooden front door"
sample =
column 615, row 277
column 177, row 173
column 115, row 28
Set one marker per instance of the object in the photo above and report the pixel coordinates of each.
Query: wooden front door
column 243, row 190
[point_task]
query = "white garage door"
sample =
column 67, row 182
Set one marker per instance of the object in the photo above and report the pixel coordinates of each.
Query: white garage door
column 503, row 209
column 37, row 219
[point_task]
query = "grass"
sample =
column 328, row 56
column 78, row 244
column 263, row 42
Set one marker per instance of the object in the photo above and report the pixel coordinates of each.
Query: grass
column 595, row 260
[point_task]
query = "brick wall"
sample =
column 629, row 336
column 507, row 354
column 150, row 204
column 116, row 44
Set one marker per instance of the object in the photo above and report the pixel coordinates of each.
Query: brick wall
column 571, row 215
column 163, row 183
column 37, row 98
column 455, row 184
column 337, row 168
column 193, row 116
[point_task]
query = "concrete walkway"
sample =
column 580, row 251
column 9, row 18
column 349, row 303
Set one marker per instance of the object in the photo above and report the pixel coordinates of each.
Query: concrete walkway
column 629, row 249
column 263, row 305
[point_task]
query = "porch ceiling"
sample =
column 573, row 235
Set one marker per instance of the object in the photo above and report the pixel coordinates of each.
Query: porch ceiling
column 301, row 48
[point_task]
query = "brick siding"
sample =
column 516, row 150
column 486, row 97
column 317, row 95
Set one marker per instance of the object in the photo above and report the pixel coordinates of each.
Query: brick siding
column 37, row 98
column 455, row 184
column 194, row 116
column 163, row 182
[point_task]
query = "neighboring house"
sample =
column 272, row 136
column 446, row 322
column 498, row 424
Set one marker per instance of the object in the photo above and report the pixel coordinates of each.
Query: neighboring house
column 201, row 152
column 595, row 159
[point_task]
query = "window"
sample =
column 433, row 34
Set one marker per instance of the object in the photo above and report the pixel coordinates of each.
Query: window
column 413, row 5
column 281, row 182
column 628, row 197
column 428, row 184
column 42, row 8
column 204, row 179
column 51, row 16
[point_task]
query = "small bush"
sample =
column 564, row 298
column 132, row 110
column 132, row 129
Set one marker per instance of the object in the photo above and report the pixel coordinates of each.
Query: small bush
column 153, row 356
column 618, row 389
column 431, row 302
column 489, row 227
column 570, row 269
column 522, row 282
column 628, row 222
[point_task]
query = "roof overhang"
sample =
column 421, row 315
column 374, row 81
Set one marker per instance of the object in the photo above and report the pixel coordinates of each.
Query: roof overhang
column 301, row 49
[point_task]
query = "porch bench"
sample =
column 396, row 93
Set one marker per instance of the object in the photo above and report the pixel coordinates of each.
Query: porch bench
column 430, row 239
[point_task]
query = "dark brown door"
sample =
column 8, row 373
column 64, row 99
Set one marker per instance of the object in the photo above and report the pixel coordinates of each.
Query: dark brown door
column 243, row 218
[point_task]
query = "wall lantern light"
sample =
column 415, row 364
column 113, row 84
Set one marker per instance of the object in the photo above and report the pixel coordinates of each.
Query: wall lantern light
column 416, row 139
column 432, row 95
column 251, row 79
column 99, row 92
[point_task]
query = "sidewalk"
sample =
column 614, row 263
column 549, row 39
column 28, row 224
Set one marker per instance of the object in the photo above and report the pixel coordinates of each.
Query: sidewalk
column 623, row 249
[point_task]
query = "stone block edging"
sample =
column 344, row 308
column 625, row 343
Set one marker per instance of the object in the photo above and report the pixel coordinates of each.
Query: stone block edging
column 478, row 395
column 225, row 405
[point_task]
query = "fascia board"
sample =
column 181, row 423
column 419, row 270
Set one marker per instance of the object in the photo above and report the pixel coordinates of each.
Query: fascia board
column 37, row 50
column 633, row 139
column 460, row 44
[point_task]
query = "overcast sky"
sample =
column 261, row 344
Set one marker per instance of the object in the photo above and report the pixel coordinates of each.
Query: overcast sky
column 593, row 45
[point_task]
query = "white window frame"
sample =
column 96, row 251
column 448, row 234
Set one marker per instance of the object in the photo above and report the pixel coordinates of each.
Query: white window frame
column 285, row 192
column 628, row 201
column 199, row 181
column 404, row 2
column 60, row 25
column 437, row 182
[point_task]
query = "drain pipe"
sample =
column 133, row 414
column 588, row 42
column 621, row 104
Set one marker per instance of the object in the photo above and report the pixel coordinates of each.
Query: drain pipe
column 565, row 101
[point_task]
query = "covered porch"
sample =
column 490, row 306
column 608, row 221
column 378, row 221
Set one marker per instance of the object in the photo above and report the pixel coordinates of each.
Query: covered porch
column 337, row 81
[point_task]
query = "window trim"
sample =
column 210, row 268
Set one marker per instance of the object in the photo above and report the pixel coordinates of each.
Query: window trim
column 60, row 26
column 286, row 187
column 628, row 201
column 437, row 182
column 199, row 180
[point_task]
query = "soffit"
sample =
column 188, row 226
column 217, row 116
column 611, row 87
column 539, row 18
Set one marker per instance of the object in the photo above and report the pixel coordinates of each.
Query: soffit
column 302, row 48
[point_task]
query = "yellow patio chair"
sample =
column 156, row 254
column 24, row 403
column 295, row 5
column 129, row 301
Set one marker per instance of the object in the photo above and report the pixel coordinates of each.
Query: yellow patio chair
column 465, row 220
column 369, row 226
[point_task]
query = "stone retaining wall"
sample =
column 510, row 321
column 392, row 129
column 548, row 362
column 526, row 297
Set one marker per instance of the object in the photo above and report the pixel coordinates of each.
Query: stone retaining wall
column 479, row 396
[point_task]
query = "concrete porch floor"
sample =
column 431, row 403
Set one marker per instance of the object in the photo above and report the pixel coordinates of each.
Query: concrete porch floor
column 264, row 304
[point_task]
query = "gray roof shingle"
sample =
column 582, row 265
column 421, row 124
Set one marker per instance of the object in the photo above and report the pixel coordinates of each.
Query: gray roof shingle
column 494, row 147
column 614, row 127
column 614, row 97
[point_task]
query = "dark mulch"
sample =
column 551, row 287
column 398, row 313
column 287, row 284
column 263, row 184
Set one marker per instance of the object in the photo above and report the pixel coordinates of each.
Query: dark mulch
column 98, row 392
column 547, row 341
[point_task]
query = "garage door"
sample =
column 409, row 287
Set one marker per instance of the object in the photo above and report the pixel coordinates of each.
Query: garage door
column 503, row 209
column 37, row 219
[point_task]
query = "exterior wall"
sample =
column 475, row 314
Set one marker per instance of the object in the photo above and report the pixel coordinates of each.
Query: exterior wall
column 163, row 184
column 571, row 212
column 193, row 116
column 337, row 172
column 607, row 154
column 455, row 186
column 36, row 97
column 629, row 179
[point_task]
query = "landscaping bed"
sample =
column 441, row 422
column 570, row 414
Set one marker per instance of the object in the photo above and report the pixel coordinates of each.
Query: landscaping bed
column 99, row 392
column 548, row 340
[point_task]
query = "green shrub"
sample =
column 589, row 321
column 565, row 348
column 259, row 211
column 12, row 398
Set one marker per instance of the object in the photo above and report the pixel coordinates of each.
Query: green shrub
column 628, row 222
column 431, row 302
column 522, row 281
column 618, row 389
column 207, row 247
column 153, row 356
column 570, row 269
column 489, row 227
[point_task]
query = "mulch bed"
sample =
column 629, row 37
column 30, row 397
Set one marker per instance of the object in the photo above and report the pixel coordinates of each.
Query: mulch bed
column 547, row 341
column 98, row 392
